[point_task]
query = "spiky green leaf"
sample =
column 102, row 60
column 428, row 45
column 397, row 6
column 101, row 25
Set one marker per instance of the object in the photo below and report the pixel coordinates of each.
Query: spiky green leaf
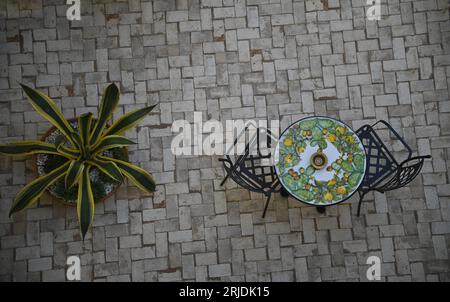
column 84, row 126
column 85, row 203
column 128, row 120
column 46, row 107
column 32, row 191
column 68, row 152
column 78, row 142
column 108, row 167
column 27, row 148
column 74, row 173
column 110, row 142
column 108, row 104
column 141, row 178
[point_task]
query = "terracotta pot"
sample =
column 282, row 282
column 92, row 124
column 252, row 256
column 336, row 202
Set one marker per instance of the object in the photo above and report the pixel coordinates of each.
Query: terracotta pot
column 61, row 200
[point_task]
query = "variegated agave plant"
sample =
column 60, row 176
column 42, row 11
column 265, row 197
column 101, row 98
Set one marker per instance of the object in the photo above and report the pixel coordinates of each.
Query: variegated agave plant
column 82, row 151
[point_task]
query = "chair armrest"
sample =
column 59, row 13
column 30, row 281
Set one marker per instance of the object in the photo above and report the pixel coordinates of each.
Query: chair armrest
column 228, row 160
column 422, row 157
column 396, row 134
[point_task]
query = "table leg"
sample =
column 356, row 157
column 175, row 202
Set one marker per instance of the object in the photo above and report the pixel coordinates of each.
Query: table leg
column 321, row 210
column 284, row 192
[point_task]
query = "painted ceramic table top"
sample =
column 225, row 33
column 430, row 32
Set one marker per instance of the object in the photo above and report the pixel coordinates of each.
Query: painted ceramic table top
column 343, row 172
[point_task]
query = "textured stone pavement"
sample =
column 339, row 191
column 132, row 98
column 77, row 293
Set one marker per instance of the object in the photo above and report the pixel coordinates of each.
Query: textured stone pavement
column 280, row 59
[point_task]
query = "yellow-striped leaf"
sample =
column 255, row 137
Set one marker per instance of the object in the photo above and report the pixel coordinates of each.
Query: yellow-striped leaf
column 74, row 173
column 128, row 120
column 110, row 142
column 46, row 107
column 68, row 152
column 32, row 191
column 27, row 148
column 85, row 203
column 108, row 104
column 105, row 165
column 141, row 178
column 84, row 126
column 78, row 142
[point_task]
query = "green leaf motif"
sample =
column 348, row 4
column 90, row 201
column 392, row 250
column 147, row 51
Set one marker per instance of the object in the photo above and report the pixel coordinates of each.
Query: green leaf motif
column 304, row 179
column 307, row 125
column 336, row 167
column 310, row 171
column 347, row 166
column 358, row 160
column 323, row 144
column 354, row 179
column 296, row 185
column 317, row 134
column 288, row 180
column 326, row 123
column 305, row 195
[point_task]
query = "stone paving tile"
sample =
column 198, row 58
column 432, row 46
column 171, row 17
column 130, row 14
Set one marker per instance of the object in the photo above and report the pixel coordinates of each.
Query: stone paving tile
column 281, row 59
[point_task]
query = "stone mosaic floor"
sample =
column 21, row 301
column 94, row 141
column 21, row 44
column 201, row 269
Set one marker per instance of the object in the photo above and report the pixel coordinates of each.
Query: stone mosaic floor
column 280, row 59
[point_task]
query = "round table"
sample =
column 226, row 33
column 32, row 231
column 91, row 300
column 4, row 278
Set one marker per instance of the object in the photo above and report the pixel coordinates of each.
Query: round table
column 320, row 161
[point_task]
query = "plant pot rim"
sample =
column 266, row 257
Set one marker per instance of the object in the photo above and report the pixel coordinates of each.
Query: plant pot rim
column 60, row 199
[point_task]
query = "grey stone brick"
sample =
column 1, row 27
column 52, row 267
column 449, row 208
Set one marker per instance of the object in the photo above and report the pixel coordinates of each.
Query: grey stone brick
column 31, row 252
column 180, row 236
column 219, row 270
column 41, row 264
column 106, row 269
column 154, row 214
column 130, row 241
column 56, row 275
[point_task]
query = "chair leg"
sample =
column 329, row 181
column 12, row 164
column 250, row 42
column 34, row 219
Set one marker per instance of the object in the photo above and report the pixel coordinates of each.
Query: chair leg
column 224, row 180
column 361, row 197
column 265, row 207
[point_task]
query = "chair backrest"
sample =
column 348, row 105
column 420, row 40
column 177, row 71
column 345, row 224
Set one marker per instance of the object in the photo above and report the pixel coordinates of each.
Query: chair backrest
column 380, row 164
column 257, row 165
column 405, row 173
column 252, row 170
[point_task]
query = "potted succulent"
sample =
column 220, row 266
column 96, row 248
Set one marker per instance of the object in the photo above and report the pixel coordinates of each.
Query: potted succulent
column 81, row 160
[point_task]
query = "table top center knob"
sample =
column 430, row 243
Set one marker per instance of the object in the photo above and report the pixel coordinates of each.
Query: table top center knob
column 318, row 160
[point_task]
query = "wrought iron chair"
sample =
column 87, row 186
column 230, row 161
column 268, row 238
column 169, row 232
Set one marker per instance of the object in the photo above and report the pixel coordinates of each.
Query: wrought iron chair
column 383, row 172
column 252, row 170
